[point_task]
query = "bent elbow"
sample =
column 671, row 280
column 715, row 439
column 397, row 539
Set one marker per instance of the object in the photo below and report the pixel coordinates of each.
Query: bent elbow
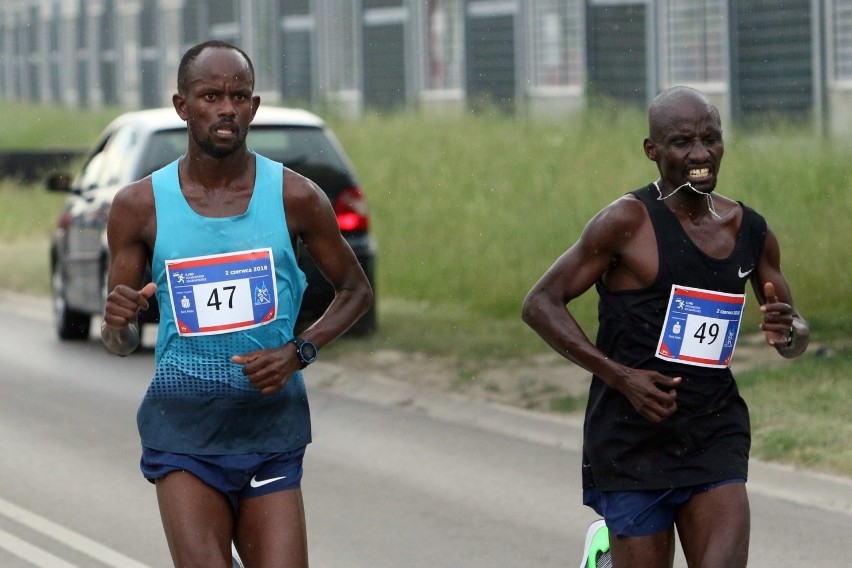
column 368, row 299
column 362, row 296
column 530, row 311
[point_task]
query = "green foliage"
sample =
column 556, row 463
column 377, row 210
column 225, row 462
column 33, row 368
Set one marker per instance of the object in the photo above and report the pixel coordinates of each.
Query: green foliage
column 801, row 185
column 568, row 403
column 52, row 126
column 800, row 411
column 27, row 219
column 27, row 211
column 471, row 210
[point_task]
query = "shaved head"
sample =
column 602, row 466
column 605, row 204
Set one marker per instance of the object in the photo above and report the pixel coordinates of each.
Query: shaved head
column 668, row 103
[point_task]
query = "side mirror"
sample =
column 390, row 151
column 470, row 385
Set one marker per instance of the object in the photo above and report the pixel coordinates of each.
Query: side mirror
column 59, row 182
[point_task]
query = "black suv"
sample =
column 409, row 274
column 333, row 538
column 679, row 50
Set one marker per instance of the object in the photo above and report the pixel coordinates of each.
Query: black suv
column 136, row 144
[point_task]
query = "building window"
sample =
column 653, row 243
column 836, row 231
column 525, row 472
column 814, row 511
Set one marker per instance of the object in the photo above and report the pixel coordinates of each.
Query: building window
column 443, row 45
column 342, row 46
column 842, row 44
column 695, row 35
column 55, row 60
column 150, row 57
column 224, row 20
column 193, row 23
column 556, row 43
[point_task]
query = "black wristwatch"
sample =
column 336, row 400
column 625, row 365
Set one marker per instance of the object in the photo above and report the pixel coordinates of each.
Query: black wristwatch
column 306, row 350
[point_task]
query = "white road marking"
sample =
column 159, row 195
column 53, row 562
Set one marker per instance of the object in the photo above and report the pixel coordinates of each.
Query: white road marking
column 58, row 533
column 32, row 554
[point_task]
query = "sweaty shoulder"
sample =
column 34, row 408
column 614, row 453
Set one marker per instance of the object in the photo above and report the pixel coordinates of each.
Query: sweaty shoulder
column 304, row 202
column 135, row 199
column 297, row 186
column 622, row 219
column 623, row 233
column 133, row 210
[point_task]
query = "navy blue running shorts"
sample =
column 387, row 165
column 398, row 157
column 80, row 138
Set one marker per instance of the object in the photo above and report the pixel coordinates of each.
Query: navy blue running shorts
column 643, row 513
column 237, row 477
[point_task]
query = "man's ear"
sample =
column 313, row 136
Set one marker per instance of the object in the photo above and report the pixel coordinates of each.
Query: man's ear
column 255, row 104
column 650, row 149
column 180, row 106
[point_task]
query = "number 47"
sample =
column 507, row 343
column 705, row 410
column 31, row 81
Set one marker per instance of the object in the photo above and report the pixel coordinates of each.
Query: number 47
column 214, row 302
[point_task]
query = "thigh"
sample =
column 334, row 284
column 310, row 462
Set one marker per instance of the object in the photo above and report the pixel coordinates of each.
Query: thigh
column 714, row 527
column 652, row 551
column 197, row 520
column 270, row 531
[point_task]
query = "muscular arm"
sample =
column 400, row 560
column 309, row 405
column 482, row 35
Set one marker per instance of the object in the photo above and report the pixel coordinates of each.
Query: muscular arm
column 780, row 316
column 130, row 234
column 601, row 248
column 311, row 217
column 574, row 272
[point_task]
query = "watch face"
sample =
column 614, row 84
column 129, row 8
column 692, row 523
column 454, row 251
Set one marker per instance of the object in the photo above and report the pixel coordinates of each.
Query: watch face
column 308, row 352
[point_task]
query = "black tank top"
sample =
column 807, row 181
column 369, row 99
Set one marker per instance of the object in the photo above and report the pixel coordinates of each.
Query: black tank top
column 708, row 438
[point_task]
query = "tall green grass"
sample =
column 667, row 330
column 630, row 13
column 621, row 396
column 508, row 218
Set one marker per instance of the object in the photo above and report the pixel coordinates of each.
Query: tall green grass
column 468, row 211
column 471, row 210
column 800, row 412
column 27, row 219
column 51, row 126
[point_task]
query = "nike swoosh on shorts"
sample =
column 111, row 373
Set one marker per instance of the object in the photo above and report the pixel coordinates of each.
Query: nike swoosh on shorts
column 255, row 482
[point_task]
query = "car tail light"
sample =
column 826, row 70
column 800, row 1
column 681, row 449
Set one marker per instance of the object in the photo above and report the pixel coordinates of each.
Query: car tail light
column 64, row 221
column 351, row 210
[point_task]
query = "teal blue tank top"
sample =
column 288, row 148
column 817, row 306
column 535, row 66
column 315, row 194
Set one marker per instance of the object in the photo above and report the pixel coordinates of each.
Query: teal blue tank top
column 199, row 402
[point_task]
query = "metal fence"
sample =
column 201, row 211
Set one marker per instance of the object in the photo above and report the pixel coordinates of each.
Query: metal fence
column 757, row 58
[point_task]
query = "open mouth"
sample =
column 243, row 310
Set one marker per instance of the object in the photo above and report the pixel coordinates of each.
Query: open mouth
column 225, row 130
column 698, row 174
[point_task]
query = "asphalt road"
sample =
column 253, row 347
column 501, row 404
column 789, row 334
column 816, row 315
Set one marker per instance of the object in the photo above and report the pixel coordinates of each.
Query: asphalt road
column 395, row 477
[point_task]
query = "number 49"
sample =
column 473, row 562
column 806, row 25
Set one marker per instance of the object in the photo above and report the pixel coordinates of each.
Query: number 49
column 704, row 331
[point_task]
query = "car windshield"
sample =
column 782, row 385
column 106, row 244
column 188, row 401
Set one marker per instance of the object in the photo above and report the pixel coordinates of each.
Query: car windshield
column 303, row 149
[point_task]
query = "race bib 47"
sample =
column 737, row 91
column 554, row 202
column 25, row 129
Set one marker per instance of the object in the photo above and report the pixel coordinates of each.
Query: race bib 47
column 222, row 293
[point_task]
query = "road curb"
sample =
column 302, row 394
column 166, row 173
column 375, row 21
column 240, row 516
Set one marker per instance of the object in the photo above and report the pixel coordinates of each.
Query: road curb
column 815, row 489
column 824, row 491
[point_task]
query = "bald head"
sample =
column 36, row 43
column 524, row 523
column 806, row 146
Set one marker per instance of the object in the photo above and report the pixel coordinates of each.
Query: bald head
column 672, row 103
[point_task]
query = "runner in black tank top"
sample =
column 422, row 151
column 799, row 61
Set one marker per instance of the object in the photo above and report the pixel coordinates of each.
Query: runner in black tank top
column 665, row 418
column 707, row 439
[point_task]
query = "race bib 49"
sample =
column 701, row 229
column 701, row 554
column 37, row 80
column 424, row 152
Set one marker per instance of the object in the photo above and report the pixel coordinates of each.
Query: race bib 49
column 701, row 327
column 222, row 293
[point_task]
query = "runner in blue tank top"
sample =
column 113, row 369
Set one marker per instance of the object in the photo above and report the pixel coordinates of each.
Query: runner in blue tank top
column 225, row 421
column 666, row 436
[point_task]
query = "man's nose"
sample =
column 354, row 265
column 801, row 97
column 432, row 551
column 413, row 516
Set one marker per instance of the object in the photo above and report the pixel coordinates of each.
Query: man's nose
column 699, row 151
column 227, row 107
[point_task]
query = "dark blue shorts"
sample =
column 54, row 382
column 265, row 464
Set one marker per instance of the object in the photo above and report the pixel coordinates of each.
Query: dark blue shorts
column 643, row 513
column 237, row 477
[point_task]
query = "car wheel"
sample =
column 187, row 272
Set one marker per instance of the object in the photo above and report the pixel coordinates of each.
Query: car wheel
column 70, row 324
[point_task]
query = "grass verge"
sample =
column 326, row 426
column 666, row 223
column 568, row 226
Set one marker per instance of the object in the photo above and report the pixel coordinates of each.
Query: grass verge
column 800, row 412
column 469, row 211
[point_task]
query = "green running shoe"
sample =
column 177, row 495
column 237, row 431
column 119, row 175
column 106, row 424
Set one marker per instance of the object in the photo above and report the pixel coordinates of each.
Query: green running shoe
column 236, row 561
column 596, row 548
